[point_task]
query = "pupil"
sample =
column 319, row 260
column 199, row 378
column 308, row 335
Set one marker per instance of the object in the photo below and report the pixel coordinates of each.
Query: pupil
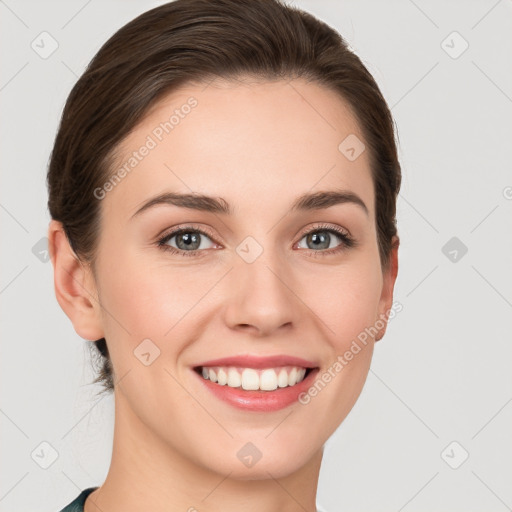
column 320, row 240
column 189, row 239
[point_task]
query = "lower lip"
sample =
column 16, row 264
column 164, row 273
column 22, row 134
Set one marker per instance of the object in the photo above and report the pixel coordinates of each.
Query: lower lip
column 260, row 401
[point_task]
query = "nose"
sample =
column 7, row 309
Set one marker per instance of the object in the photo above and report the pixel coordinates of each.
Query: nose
column 261, row 298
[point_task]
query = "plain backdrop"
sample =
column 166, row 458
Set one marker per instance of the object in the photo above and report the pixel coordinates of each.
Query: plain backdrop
column 431, row 430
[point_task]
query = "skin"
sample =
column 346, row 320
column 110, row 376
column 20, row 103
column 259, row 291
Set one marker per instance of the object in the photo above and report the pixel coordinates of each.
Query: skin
column 259, row 145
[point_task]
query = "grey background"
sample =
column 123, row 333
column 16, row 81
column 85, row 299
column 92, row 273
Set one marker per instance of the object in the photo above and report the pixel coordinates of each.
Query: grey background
column 441, row 374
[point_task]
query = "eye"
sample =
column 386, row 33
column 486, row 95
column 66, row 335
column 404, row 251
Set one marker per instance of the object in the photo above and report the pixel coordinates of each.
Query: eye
column 323, row 240
column 188, row 241
column 192, row 241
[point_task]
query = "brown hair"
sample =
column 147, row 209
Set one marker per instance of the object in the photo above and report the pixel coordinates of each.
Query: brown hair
column 188, row 41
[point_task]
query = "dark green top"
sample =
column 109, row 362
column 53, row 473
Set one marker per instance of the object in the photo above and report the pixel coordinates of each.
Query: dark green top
column 77, row 505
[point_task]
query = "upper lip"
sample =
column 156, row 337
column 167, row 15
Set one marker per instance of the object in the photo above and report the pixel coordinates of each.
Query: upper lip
column 247, row 361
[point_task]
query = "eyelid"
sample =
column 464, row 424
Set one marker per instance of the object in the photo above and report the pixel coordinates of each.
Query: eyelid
column 186, row 227
column 324, row 226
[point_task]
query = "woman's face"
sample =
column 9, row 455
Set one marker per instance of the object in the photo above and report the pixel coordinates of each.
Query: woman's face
column 270, row 277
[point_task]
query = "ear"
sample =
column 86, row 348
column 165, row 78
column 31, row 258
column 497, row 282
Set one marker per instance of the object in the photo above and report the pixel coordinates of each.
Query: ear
column 74, row 284
column 388, row 285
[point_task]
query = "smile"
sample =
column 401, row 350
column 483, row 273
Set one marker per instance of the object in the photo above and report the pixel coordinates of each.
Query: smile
column 254, row 383
column 251, row 379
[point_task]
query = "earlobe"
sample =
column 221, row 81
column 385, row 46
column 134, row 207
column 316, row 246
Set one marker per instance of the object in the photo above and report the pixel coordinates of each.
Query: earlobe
column 74, row 285
column 386, row 299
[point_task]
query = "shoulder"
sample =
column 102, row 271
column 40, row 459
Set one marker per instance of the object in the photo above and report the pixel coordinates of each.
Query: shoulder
column 77, row 505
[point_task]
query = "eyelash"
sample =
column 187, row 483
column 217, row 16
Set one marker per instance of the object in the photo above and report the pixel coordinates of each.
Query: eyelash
column 347, row 241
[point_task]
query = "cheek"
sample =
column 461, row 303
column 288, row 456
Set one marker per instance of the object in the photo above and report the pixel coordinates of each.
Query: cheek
column 346, row 302
column 147, row 298
column 346, row 299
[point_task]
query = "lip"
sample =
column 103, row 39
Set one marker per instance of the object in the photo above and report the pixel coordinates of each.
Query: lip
column 259, row 401
column 259, row 362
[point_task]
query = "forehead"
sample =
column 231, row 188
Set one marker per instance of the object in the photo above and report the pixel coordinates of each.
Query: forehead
column 260, row 141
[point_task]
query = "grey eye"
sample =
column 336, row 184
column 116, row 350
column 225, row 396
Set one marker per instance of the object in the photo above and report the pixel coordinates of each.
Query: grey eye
column 320, row 239
column 189, row 240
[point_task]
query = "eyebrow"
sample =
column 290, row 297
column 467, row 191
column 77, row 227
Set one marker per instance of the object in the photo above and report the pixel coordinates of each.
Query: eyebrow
column 306, row 202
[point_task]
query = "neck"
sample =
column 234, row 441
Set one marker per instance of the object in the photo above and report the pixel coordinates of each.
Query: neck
column 147, row 474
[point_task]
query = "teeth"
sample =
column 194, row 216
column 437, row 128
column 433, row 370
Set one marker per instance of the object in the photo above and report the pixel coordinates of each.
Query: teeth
column 268, row 380
column 282, row 380
column 234, row 378
column 222, row 377
column 251, row 379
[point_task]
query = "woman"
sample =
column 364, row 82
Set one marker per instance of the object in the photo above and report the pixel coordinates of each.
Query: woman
column 222, row 191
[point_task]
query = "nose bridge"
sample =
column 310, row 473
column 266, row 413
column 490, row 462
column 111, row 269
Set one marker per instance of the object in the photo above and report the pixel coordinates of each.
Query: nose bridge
column 260, row 294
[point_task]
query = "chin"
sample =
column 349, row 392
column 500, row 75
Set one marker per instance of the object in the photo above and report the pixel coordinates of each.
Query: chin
column 262, row 464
